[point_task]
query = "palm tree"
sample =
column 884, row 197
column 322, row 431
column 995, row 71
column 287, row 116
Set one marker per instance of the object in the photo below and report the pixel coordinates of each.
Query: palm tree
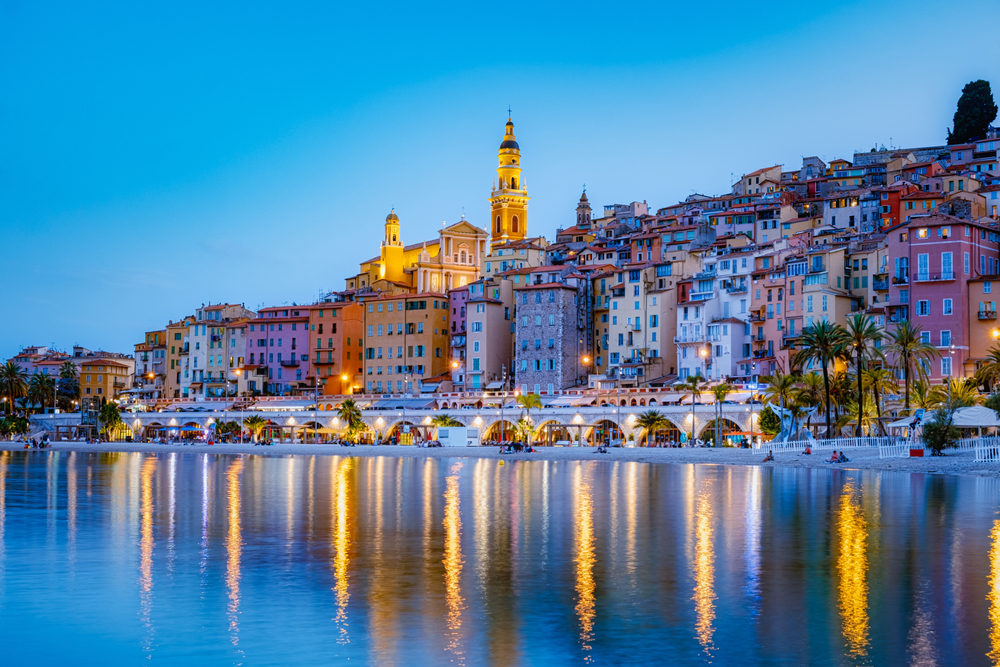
column 694, row 385
column 823, row 343
column 810, row 392
column 989, row 372
column 924, row 398
column 720, row 391
column 862, row 338
column 445, row 421
column 525, row 429
column 528, row 401
column 110, row 417
column 651, row 421
column 13, row 383
column 881, row 382
column 963, row 393
column 255, row 424
column 40, row 387
column 349, row 413
column 780, row 388
column 910, row 354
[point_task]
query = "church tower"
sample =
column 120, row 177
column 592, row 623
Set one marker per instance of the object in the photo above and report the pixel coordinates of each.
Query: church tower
column 392, row 250
column 583, row 212
column 509, row 199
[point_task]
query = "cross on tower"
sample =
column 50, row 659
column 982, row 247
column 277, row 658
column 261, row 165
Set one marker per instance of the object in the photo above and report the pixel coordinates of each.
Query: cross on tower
column 508, row 111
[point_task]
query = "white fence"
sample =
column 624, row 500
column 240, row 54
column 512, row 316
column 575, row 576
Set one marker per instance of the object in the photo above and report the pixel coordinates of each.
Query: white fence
column 987, row 449
column 897, row 451
column 970, row 443
column 831, row 444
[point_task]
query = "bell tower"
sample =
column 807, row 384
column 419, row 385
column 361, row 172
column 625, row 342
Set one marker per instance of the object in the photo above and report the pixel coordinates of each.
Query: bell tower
column 392, row 250
column 509, row 199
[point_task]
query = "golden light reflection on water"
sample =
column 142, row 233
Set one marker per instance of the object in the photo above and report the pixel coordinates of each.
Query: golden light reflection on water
column 453, row 561
column 994, row 595
column 146, row 548
column 704, row 572
column 234, row 548
column 585, row 586
column 342, row 545
column 852, row 567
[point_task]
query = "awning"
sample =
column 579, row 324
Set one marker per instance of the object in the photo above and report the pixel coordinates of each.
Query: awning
column 284, row 406
column 568, row 401
column 405, row 404
column 494, row 385
column 200, row 406
column 976, row 416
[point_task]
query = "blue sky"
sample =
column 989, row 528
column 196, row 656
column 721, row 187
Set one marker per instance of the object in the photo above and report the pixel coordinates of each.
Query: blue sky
column 154, row 158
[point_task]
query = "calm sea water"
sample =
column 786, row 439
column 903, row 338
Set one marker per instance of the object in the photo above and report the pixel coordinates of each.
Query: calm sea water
column 190, row 559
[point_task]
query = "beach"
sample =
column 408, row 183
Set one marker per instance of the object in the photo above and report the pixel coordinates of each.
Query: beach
column 954, row 462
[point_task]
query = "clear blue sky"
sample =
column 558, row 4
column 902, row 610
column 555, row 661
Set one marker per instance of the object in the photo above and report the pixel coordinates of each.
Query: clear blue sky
column 154, row 157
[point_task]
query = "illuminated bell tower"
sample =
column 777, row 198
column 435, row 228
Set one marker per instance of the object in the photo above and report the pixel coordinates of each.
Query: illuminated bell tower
column 509, row 199
column 392, row 250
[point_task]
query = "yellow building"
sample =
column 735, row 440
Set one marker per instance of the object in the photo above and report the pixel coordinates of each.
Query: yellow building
column 103, row 378
column 406, row 341
column 509, row 199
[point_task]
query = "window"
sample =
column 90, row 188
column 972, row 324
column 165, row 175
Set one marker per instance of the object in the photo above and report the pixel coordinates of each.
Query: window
column 946, row 366
column 967, row 265
column 923, row 307
column 987, row 286
column 947, row 308
column 945, row 338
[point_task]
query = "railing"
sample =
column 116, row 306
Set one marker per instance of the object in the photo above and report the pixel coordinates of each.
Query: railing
column 972, row 443
column 737, row 289
column 934, row 277
column 898, row 451
column 881, row 285
column 755, row 317
column 987, row 314
column 900, row 280
column 987, row 449
column 830, row 443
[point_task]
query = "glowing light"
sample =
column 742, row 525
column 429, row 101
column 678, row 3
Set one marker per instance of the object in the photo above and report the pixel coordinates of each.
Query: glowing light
column 427, row 420
column 994, row 595
column 453, row 558
column 234, row 548
column 380, row 421
column 146, row 546
column 631, row 419
column 578, row 419
column 704, row 573
column 335, row 422
column 478, row 421
column 291, row 421
column 342, row 546
column 585, row 559
column 852, row 567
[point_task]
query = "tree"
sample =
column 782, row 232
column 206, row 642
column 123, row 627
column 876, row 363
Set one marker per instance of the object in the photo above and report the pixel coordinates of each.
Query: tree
column 825, row 344
column 68, row 384
column 993, row 403
column 256, row 425
column 989, row 372
column 11, row 426
column 110, row 418
column 862, row 338
column 940, row 432
column 13, row 383
column 780, row 388
column 963, row 393
column 720, row 391
column 810, row 392
column 694, row 385
column 40, row 388
column 769, row 422
column 529, row 401
column 445, row 421
column 976, row 110
column 349, row 413
column 881, row 382
column 651, row 421
column 910, row 354
column 524, row 429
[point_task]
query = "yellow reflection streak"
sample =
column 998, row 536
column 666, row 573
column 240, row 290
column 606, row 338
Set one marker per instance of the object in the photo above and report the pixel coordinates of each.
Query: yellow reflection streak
column 704, row 572
column 453, row 560
column 342, row 545
column 852, row 567
column 585, row 586
column 234, row 548
column 994, row 594
column 146, row 548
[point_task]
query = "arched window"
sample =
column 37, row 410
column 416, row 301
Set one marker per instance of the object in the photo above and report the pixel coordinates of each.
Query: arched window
column 514, row 225
column 513, row 184
column 498, row 225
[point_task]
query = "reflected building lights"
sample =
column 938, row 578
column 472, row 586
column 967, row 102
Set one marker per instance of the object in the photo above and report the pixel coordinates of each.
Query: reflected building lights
column 852, row 567
column 234, row 548
column 994, row 594
column 342, row 546
column 585, row 586
column 704, row 572
column 453, row 560
column 146, row 550
column 751, row 553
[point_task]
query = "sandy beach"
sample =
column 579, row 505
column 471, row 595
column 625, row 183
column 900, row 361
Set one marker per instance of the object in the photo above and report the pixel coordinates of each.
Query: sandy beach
column 955, row 462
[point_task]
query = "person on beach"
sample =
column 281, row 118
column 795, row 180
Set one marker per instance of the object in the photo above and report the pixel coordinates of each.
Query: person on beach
column 833, row 459
column 808, row 451
column 769, row 457
column 842, row 458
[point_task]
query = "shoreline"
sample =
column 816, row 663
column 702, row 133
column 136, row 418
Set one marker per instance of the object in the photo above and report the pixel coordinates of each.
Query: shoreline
column 953, row 463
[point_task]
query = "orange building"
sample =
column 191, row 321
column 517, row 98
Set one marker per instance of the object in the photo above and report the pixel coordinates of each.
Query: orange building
column 336, row 346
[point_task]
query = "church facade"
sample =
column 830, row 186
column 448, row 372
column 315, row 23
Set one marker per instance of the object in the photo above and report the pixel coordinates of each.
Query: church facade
column 455, row 258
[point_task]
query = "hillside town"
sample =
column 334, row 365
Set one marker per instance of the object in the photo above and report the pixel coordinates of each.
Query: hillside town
column 716, row 287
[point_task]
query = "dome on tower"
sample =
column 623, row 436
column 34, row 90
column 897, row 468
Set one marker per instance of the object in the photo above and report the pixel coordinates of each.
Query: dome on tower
column 392, row 216
column 508, row 140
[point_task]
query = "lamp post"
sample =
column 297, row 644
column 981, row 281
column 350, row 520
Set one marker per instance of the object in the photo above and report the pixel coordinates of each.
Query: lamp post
column 951, row 362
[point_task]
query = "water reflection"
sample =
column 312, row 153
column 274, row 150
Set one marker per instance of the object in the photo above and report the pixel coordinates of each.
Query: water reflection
column 994, row 594
column 146, row 550
column 453, row 560
column 585, row 585
column 342, row 545
column 704, row 571
column 234, row 548
column 852, row 567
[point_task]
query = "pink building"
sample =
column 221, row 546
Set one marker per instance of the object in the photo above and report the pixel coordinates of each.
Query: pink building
column 457, row 300
column 931, row 258
column 278, row 346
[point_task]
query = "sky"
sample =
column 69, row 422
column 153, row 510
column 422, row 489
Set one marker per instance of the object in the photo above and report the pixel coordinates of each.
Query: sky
column 157, row 157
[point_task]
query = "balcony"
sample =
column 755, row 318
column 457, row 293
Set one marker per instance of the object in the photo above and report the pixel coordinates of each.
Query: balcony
column 737, row 289
column 816, row 268
column 987, row 314
column 290, row 362
column 704, row 275
column 900, row 280
column 935, row 277
column 184, row 350
column 881, row 284
column 756, row 317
